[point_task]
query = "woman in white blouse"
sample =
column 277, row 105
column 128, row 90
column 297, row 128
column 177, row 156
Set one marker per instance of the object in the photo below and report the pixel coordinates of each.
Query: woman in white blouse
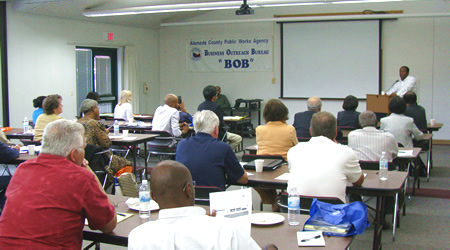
column 124, row 109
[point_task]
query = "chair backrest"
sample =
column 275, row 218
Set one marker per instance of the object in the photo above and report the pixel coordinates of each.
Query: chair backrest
column 305, row 202
column 164, row 138
column 202, row 194
column 97, row 160
column 251, row 157
column 303, row 139
column 374, row 165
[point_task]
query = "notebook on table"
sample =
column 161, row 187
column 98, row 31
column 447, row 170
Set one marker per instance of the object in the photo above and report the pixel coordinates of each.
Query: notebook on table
column 269, row 164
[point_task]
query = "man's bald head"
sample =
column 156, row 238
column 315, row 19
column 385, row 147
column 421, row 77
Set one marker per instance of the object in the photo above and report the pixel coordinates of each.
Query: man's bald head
column 171, row 185
column 314, row 104
column 171, row 100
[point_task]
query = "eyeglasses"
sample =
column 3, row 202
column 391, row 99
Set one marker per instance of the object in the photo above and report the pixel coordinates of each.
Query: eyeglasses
column 192, row 183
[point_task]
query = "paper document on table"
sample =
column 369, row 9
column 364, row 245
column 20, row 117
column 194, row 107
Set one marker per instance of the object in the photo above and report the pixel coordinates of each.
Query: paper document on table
column 310, row 238
column 120, row 217
column 233, row 118
column 403, row 153
column 236, row 205
column 129, row 138
column 283, row 177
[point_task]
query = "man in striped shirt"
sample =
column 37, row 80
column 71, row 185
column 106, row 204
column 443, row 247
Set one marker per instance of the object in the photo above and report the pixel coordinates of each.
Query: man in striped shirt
column 369, row 142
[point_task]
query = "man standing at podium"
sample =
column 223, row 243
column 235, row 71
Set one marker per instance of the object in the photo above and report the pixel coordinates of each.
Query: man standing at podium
column 405, row 84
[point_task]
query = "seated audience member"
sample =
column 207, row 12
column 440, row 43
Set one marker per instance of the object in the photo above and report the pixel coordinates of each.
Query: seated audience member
column 37, row 103
column 49, row 198
column 274, row 138
column 52, row 108
column 211, row 162
column 222, row 99
column 349, row 117
column 210, row 95
column 404, row 84
column 302, row 120
column 124, row 109
column 415, row 111
column 401, row 126
column 7, row 154
column 167, row 117
column 93, row 96
column 181, row 225
column 97, row 135
column 3, row 138
column 321, row 167
column 184, row 115
column 369, row 142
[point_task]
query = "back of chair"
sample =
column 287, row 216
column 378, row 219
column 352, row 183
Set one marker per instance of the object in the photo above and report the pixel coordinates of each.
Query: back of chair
column 374, row 165
column 202, row 194
column 251, row 157
column 305, row 202
column 28, row 142
column 164, row 138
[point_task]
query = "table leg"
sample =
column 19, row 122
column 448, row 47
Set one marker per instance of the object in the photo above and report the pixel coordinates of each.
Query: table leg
column 379, row 214
column 146, row 163
column 133, row 148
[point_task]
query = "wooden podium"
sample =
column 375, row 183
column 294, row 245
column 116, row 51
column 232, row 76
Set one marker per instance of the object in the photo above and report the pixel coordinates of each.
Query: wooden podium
column 379, row 103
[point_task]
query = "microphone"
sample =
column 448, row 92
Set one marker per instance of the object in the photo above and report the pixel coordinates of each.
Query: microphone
column 392, row 86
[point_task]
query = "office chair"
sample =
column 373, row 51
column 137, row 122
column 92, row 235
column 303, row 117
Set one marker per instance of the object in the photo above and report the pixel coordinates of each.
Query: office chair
column 202, row 194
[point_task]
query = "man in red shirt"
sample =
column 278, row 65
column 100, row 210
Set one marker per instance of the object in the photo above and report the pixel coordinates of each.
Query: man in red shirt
column 48, row 198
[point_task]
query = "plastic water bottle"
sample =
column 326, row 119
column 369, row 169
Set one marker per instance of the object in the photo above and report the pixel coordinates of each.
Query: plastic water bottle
column 117, row 189
column 293, row 208
column 25, row 125
column 144, row 201
column 116, row 128
column 383, row 173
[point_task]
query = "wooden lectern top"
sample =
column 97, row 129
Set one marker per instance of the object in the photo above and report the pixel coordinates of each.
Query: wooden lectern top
column 379, row 103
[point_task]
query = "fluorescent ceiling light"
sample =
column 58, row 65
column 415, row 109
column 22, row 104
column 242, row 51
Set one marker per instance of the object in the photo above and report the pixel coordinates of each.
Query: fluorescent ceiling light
column 213, row 6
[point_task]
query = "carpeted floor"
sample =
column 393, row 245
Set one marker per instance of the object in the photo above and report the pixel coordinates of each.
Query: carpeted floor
column 431, row 193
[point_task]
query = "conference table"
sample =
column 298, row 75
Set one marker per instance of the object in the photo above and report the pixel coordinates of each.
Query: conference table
column 282, row 235
column 372, row 186
column 131, row 142
column 17, row 133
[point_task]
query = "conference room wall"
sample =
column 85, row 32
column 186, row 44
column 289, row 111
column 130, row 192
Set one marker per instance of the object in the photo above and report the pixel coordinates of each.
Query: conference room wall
column 415, row 42
column 41, row 60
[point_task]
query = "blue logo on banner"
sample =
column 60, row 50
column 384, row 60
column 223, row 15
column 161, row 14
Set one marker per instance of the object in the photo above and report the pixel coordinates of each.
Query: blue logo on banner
column 196, row 54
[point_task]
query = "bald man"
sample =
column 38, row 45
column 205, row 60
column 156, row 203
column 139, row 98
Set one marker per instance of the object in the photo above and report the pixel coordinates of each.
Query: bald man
column 167, row 117
column 181, row 225
column 302, row 120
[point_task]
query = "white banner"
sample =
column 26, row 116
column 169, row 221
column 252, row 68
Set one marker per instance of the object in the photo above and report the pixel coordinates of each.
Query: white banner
column 229, row 55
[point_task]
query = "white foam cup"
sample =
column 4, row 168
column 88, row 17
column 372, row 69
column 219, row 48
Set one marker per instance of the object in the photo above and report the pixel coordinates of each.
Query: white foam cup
column 259, row 165
column 31, row 149
column 125, row 133
column 432, row 122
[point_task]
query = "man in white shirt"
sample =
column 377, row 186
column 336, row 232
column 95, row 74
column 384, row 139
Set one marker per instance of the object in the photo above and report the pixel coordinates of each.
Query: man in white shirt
column 321, row 167
column 369, row 142
column 405, row 84
column 167, row 117
column 181, row 225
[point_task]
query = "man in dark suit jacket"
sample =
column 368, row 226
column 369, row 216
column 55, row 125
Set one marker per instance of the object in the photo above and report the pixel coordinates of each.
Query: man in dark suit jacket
column 210, row 94
column 415, row 111
column 302, row 120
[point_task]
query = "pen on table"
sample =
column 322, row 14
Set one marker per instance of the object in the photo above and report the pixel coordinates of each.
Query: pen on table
column 121, row 214
column 315, row 237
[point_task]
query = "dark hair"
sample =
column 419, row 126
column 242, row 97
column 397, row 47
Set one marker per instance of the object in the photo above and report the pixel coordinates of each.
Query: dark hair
column 410, row 97
column 37, row 103
column 397, row 105
column 275, row 110
column 407, row 69
column 209, row 92
column 324, row 124
column 92, row 96
column 51, row 102
column 350, row 103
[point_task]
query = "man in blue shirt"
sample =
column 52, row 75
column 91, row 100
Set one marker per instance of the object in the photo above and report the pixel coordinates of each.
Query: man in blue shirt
column 210, row 161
